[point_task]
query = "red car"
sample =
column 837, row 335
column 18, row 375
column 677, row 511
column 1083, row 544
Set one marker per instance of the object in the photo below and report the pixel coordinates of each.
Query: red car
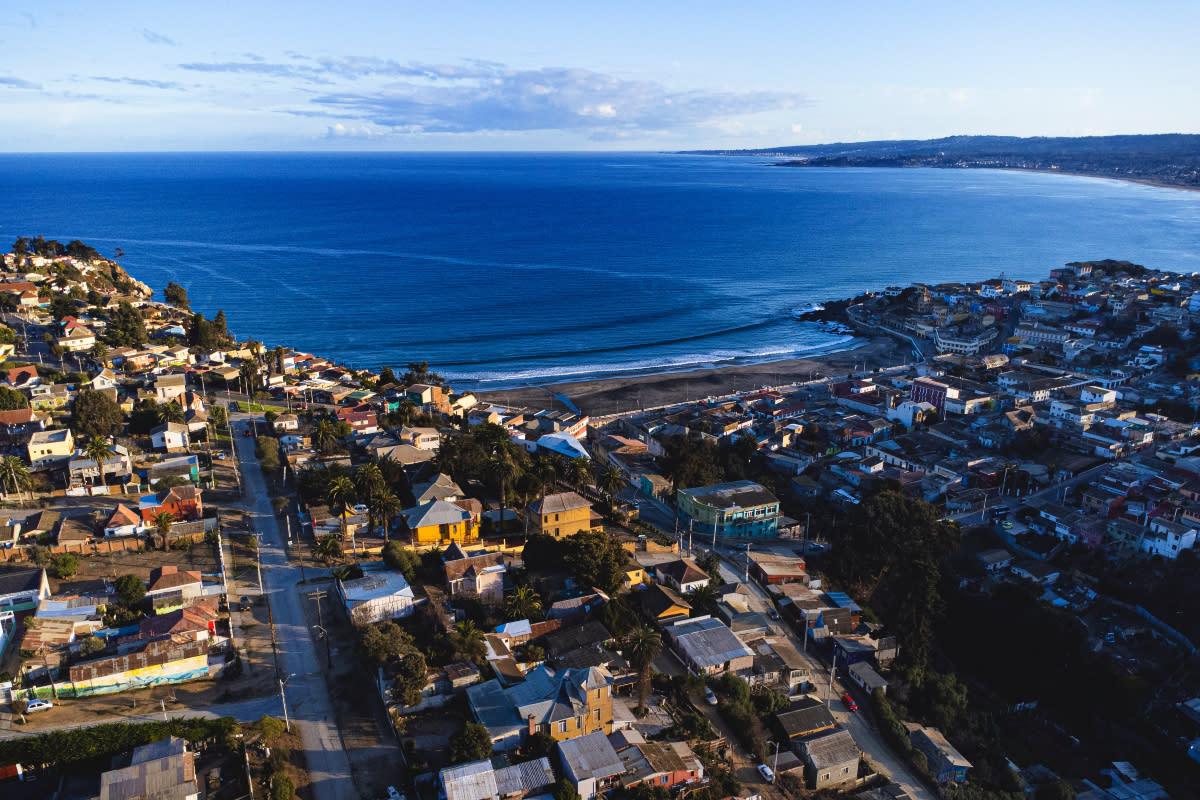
column 849, row 701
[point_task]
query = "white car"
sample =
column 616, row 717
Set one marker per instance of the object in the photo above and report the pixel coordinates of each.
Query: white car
column 709, row 696
column 766, row 772
column 359, row 509
column 38, row 705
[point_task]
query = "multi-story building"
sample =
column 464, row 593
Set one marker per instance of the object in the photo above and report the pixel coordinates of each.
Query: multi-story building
column 564, row 703
column 561, row 514
column 738, row 508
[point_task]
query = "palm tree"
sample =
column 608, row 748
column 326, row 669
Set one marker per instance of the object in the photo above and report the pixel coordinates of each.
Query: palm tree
column 524, row 603
column 407, row 407
column 392, row 472
column 384, row 508
column 468, row 641
column 504, row 469
column 610, row 482
column 579, row 470
column 340, row 496
column 704, row 599
column 162, row 524
column 169, row 412
column 327, row 548
column 99, row 450
column 14, row 474
column 642, row 646
column 547, row 473
column 324, row 436
column 369, row 481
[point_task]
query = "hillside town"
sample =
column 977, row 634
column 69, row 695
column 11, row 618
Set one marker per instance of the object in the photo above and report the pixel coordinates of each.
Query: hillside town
column 914, row 581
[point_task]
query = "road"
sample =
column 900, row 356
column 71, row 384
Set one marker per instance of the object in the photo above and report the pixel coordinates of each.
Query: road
column 1052, row 490
column 308, row 702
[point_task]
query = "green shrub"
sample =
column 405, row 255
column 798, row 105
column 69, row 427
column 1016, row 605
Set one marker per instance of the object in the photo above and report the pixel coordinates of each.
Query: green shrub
column 282, row 787
column 270, row 728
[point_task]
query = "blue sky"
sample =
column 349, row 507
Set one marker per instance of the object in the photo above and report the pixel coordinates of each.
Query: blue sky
column 83, row 76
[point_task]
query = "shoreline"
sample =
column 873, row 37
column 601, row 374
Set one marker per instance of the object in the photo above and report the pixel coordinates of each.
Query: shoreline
column 609, row 396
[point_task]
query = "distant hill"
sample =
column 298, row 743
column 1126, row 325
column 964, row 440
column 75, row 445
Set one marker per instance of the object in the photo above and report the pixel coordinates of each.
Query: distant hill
column 1169, row 159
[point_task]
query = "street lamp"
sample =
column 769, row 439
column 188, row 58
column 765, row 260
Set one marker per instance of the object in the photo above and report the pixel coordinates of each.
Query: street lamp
column 249, row 777
column 328, row 652
column 775, row 763
column 287, row 724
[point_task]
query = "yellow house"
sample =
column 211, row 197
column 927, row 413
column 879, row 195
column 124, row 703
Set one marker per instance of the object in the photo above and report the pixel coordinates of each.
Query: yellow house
column 565, row 704
column 439, row 523
column 49, row 447
column 636, row 578
column 562, row 514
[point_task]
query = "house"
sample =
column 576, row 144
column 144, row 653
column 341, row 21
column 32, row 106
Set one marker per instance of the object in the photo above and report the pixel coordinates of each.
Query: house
column 564, row 703
column 169, row 387
column 479, row 780
column 376, row 597
column 661, row 604
column 82, row 470
column 104, row 379
column 438, row 523
column 707, row 647
column 561, row 514
column 180, row 587
column 421, row 438
column 22, row 588
column 164, row 769
column 23, row 377
column 124, row 521
column 77, row 340
column 287, row 422
column 48, row 448
column 161, row 661
column 683, row 575
column 181, row 502
column 481, row 574
column 832, row 759
column 442, row 487
column 75, row 530
column 170, row 436
column 589, row 763
column 806, row 717
column 865, row 676
column 21, row 423
column 995, row 560
column 770, row 569
column 664, row 765
column 946, row 764
column 734, row 509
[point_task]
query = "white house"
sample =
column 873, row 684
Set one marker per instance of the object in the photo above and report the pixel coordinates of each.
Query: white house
column 383, row 595
column 170, row 436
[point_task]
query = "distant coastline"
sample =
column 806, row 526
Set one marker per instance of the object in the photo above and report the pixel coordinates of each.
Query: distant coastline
column 1169, row 160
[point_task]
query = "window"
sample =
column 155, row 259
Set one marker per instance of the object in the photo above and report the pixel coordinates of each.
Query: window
column 664, row 779
column 597, row 713
column 562, row 726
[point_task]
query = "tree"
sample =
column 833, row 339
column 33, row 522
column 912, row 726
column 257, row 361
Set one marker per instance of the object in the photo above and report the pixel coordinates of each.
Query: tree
column 386, row 376
column 537, row 745
column 503, row 469
column 523, row 603
column 340, row 496
column 266, row 450
column 596, row 559
column 64, row 565
column 383, row 641
column 327, row 548
column 610, row 481
column 95, row 414
column 11, row 399
column 411, row 676
column 282, row 787
column 1057, row 789
column 92, row 645
column 126, row 328
column 398, row 557
column 472, row 743
column 130, row 590
column 369, row 482
column 176, row 295
column 468, row 641
column 99, row 354
column 270, row 728
column 565, row 790
column 324, row 436
column 642, row 646
column 384, row 507
column 99, row 450
column 162, row 524
column 14, row 474
column 169, row 412
column 579, row 471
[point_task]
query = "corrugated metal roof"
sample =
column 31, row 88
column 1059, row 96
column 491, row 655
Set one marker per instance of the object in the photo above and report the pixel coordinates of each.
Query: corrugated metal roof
column 706, row 642
column 591, row 756
column 525, row 777
column 472, row 781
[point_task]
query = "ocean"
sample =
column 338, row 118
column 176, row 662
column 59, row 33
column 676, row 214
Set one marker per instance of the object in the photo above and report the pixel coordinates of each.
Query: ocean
column 511, row 269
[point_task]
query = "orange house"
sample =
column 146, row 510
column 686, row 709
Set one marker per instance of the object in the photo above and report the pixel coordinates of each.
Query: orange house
column 181, row 502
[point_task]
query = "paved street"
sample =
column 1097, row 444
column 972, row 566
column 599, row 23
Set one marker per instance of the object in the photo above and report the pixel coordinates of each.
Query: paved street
column 308, row 700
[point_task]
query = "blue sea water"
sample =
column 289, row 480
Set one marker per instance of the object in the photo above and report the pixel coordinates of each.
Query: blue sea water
column 502, row 269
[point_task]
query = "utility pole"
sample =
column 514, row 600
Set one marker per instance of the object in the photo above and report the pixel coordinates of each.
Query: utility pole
column 258, row 561
column 287, row 724
column 317, row 595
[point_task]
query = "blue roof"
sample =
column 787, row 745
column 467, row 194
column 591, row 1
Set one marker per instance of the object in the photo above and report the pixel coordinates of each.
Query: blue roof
column 842, row 600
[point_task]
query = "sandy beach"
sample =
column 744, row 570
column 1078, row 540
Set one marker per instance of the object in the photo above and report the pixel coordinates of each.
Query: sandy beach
column 616, row 395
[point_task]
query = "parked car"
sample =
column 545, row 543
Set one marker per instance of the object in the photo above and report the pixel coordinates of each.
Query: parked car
column 38, row 705
column 849, row 701
column 359, row 509
column 766, row 772
column 709, row 696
